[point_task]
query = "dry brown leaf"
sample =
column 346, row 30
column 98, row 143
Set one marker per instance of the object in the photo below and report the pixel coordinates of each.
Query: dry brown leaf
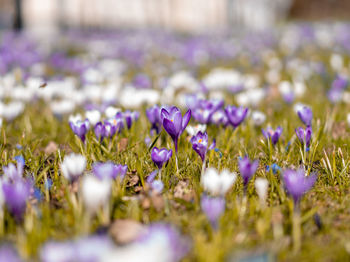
column 124, row 231
column 51, row 148
column 123, row 144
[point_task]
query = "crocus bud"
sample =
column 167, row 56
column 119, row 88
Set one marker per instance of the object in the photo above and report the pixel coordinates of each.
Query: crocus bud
column 258, row 118
column 261, row 186
column 95, row 192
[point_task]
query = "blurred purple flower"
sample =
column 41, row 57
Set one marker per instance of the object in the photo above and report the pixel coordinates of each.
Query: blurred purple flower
column 274, row 135
column 16, row 195
column 109, row 170
column 213, row 207
column 247, row 169
column 297, row 184
column 153, row 115
column 9, row 254
column 205, row 109
column 174, row 123
column 235, row 115
column 305, row 115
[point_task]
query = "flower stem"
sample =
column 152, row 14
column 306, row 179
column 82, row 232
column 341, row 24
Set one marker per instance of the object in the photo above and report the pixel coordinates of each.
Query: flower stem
column 204, row 165
column 296, row 229
column 160, row 173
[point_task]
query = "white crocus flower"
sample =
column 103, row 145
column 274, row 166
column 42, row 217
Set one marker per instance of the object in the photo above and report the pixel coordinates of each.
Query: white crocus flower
column 73, row 166
column 258, row 118
column 218, row 184
column 93, row 116
column 261, row 186
column 75, row 118
column 95, row 192
column 111, row 111
column 193, row 130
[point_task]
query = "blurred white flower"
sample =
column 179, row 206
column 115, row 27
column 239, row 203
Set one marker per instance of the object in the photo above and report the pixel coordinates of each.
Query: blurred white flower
column 73, row 166
column 193, row 130
column 133, row 98
column 75, row 118
column 62, row 107
column 12, row 110
column 218, row 184
column 111, row 111
column 261, row 186
column 93, row 116
column 258, row 118
column 95, row 192
column 337, row 62
column 348, row 119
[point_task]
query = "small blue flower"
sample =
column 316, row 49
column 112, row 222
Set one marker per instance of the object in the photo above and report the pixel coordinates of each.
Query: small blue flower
column 48, row 184
column 20, row 160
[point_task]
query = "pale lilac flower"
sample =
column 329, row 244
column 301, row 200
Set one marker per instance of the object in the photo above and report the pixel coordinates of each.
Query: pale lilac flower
column 109, row 170
column 213, row 207
column 80, row 128
column 297, row 183
column 305, row 115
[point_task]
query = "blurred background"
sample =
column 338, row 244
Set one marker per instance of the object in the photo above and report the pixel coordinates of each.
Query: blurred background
column 47, row 16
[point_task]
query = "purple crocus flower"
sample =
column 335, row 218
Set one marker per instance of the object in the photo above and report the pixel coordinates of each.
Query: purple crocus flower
column 247, row 169
column 236, row 115
column 174, row 123
column 274, row 135
column 112, row 126
column 213, row 207
column 304, row 135
column 153, row 115
column 160, row 156
column 16, row 195
column 200, row 144
column 130, row 117
column 100, row 131
column 80, row 128
column 297, row 184
column 305, row 115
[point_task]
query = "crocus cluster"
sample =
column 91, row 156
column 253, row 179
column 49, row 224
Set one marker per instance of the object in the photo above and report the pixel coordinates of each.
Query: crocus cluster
column 304, row 135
